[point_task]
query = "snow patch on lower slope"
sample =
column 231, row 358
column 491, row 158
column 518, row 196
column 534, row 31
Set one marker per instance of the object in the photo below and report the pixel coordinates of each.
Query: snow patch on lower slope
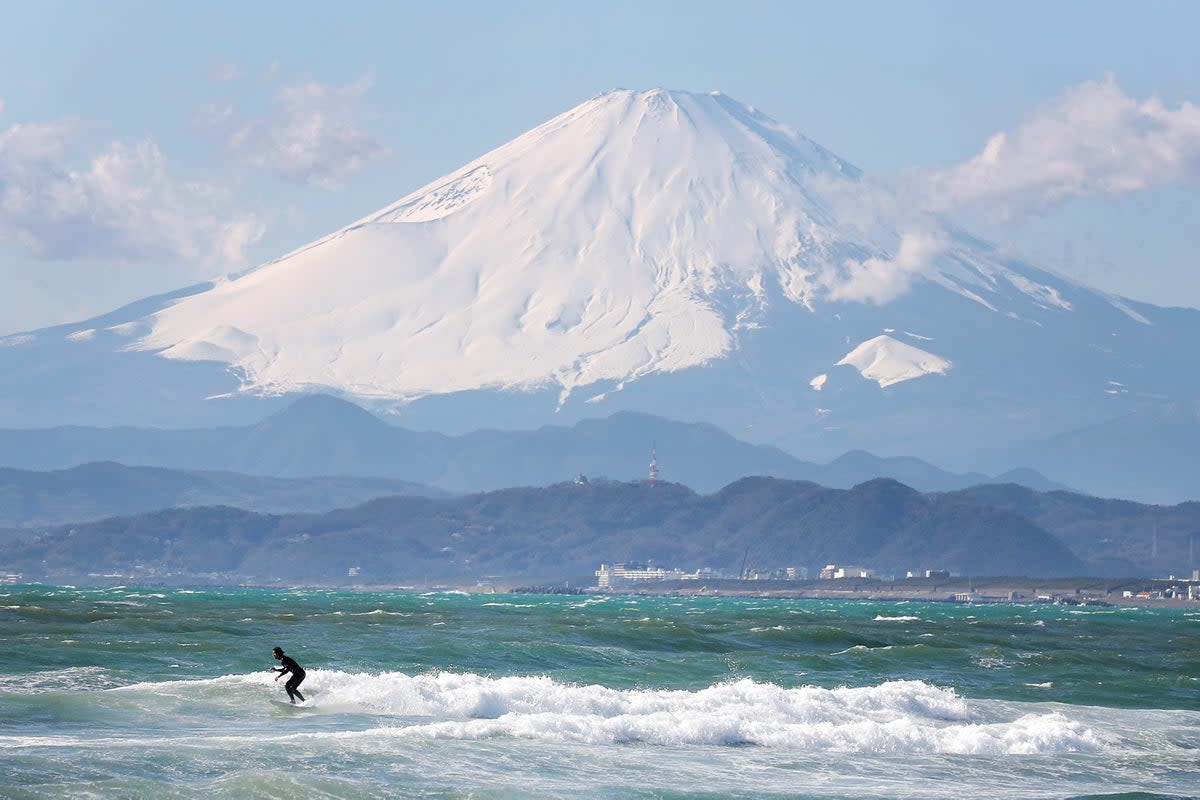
column 1120, row 304
column 887, row 361
column 219, row 343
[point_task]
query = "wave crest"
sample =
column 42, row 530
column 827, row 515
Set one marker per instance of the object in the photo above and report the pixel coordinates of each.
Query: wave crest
column 893, row 717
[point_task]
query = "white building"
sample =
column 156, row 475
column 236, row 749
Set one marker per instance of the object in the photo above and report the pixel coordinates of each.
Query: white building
column 625, row 574
column 834, row 572
column 702, row 574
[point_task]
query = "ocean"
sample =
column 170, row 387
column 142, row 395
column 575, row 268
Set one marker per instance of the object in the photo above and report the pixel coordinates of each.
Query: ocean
column 166, row 693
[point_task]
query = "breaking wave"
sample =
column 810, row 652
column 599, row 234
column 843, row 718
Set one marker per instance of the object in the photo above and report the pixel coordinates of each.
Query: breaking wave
column 894, row 717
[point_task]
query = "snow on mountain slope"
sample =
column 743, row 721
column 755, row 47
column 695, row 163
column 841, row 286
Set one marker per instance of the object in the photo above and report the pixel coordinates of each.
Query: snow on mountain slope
column 637, row 233
column 887, row 361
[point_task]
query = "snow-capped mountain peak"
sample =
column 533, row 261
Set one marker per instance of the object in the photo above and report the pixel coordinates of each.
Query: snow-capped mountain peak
column 642, row 235
column 633, row 234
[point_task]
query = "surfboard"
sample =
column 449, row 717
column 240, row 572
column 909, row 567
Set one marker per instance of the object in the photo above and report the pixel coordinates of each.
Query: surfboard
column 286, row 704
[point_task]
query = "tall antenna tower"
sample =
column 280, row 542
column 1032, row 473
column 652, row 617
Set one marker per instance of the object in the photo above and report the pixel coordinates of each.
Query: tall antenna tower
column 653, row 476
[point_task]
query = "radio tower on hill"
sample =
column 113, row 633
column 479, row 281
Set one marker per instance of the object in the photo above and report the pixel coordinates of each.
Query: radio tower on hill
column 653, row 477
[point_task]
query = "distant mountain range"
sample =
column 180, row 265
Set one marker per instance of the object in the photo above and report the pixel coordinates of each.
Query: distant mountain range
column 105, row 489
column 417, row 531
column 565, row 530
column 324, row 436
column 1151, row 455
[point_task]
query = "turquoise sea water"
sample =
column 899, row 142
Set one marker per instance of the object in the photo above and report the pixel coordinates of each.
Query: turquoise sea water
column 133, row 693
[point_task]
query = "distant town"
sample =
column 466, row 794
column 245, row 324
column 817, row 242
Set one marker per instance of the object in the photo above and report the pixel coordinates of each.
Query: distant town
column 848, row 579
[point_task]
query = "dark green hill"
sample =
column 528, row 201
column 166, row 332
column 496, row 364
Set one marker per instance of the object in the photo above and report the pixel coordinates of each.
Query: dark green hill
column 1131, row 537
column 566, row 530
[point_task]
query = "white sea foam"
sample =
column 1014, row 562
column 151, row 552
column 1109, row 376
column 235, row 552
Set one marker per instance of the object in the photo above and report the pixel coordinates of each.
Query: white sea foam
column 861, row 648
column 893, row 717
column 881, row 618
column 379, row 612
column 992, row 662
column 70, row 678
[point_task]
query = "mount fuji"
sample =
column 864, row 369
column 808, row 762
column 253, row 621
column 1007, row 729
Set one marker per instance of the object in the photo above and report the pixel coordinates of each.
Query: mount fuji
column 658, row 251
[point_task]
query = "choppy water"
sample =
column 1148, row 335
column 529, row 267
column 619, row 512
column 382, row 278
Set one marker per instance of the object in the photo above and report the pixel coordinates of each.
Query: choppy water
column 161, row 694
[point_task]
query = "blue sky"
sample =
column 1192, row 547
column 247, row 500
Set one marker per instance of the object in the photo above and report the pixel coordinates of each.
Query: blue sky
column 146, row 146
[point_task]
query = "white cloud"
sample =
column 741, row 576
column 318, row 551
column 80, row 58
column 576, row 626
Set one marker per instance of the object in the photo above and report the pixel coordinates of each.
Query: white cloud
column 119, row 203
column 312, row 134
column 1095, row 140
column 880, row 280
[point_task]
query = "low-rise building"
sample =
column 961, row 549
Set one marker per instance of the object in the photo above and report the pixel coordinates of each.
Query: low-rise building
column 835, row 572
column 625, row 574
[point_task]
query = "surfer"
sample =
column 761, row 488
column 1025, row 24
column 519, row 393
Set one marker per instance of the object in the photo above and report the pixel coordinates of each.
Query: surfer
column 289, row 665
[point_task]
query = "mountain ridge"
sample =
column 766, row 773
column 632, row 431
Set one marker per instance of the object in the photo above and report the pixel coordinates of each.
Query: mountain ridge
column 323, row 436
column 92, row 491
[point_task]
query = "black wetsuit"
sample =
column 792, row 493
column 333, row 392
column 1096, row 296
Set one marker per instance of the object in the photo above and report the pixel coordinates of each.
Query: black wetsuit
column 293, row 684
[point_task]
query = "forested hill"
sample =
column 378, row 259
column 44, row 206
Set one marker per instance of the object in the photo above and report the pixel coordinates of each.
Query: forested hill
column 562, row 530
column 1113, row 534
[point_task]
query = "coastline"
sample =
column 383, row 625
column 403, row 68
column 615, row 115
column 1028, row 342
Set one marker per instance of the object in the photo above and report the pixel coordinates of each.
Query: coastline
column 1078, row 591
column 1154, row 593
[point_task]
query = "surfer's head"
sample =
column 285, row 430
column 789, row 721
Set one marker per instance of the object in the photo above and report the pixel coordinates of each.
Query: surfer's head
column 277, row 652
